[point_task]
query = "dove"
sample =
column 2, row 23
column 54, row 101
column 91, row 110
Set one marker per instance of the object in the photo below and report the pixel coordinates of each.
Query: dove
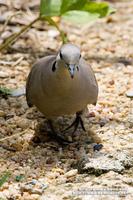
column 62, row 84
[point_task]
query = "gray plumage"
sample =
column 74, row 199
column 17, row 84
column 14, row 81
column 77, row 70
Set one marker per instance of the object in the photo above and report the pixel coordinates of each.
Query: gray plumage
column 57, row 90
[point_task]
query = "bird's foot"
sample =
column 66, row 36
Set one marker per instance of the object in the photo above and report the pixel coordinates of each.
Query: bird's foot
column 78, row 121
column 57, row 136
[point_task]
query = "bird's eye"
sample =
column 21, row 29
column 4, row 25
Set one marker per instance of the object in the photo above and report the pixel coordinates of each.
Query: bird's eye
column 61, row 55
column 80, row 56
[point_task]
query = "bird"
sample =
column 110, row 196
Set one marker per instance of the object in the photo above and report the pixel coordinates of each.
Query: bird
column 62, row 84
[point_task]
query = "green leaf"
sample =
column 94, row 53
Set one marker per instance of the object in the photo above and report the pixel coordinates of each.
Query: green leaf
column 4, row 178
column 50, row 7
column 68, row 5
column 97, row 7
column 80, row 17
column 59, row 7
column 5, row 91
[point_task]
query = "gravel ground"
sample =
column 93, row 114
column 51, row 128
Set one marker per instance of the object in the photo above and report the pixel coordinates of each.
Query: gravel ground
column 40, row 168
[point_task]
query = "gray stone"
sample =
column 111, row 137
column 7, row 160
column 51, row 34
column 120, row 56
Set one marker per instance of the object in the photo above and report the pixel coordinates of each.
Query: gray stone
column 101, row 163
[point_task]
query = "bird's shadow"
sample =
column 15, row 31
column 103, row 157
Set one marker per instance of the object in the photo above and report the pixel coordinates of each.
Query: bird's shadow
column 43, row 134
column 76, row 153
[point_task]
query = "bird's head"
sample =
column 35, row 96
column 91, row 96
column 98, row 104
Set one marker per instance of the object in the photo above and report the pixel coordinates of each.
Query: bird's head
column 69, row 56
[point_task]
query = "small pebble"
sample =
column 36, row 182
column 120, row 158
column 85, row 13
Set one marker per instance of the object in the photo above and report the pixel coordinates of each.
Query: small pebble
column 33, row 182
column 53, row 33
column 111, row 82
column 71, row 173
column 129, row 93
column 3, row 74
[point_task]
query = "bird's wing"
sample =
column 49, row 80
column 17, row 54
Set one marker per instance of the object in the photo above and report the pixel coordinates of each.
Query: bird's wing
column 38, row 68
column 89, row 76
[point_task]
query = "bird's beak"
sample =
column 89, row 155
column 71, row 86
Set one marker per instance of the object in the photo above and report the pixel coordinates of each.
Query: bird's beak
column 71, row 70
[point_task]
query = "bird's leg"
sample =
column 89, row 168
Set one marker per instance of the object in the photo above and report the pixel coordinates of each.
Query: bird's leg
column 78, row 120
column 56, row 135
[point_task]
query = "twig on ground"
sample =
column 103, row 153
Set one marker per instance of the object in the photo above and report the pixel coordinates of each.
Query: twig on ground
column 14, row 135
column 7, row 21
column 18, row 61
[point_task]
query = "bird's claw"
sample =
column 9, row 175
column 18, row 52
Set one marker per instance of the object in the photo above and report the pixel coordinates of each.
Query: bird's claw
column 78, row 120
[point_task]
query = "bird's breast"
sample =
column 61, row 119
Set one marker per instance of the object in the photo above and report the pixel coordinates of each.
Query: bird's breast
column 64, row 95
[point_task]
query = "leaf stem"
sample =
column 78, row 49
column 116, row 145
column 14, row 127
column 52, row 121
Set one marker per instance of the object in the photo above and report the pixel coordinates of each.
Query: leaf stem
column 52, row 22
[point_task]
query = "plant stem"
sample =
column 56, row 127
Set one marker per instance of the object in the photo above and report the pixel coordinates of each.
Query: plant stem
column 52, row 22
column 15, row 36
